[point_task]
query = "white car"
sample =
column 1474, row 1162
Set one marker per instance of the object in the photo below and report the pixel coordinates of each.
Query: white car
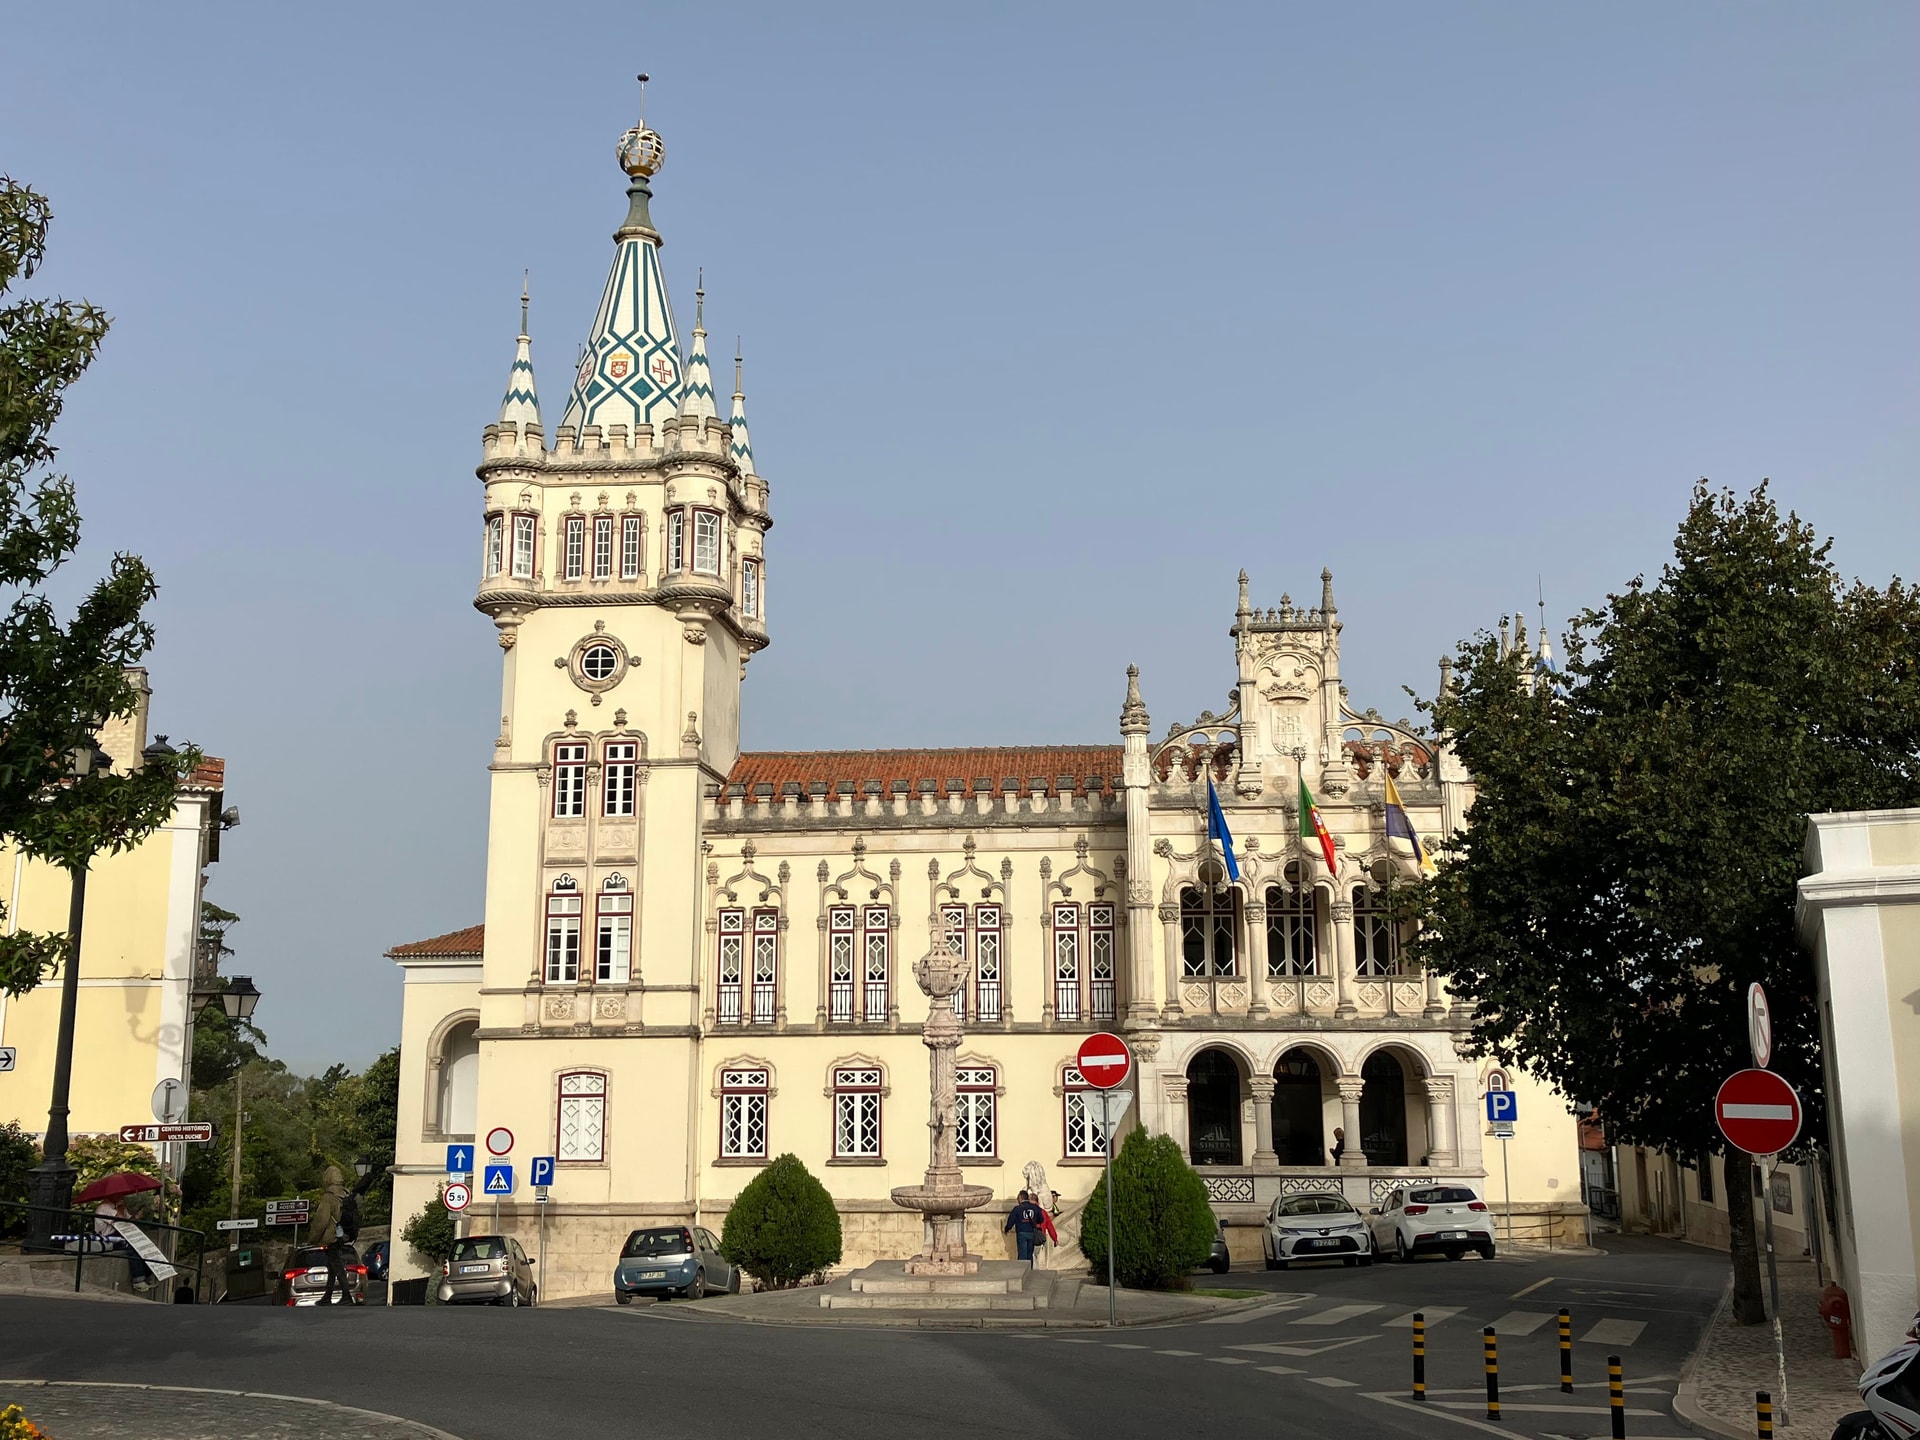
column 1315, row 1227
column 1447, row 1219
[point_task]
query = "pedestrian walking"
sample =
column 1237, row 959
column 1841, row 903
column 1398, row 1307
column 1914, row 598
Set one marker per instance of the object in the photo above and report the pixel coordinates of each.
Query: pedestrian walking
column 328, row 1231
column 1025, row 1220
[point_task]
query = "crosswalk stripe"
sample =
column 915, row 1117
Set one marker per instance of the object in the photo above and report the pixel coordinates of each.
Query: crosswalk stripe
column 1335, row 1316
column 1228, row 1360
column 1282, row 1370
column 1434, row 1315
column 1521, row 1322
column 1332, row 1382
column 1615, row 1332
column 1176, row 1352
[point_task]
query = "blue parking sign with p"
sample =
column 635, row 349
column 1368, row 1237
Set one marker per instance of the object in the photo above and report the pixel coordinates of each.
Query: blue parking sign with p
column 541, row 1170
column 1502, row 1105
column 459, row 1159
column 499, row 1180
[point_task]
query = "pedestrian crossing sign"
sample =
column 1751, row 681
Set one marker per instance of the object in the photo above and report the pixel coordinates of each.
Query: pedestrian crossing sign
column 499, row 1180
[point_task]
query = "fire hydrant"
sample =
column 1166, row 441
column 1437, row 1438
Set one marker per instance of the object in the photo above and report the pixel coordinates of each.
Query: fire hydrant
column 1838, row 1313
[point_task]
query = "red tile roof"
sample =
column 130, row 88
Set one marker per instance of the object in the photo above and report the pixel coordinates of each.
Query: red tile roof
column 210, row 773
column 982, row 771
column 457, row 942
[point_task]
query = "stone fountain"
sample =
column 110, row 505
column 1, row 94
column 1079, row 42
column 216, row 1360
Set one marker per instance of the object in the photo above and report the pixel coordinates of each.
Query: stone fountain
column 942, row 1198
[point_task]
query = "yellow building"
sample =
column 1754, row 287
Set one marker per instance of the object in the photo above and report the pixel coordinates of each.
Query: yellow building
column 139, row 937
column 695, row 959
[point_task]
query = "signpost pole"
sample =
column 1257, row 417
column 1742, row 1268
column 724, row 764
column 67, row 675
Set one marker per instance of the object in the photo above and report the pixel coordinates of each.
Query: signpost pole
column 239, row 1089
column 1106, row 1117
column 1506, row 1184
column 1773, row 1280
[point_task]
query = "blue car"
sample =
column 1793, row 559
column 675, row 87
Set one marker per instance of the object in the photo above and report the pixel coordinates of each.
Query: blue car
column 672, row 1260
column 376, row 1258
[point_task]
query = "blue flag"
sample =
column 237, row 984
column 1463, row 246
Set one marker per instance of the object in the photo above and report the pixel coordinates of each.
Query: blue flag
column 1217, row 830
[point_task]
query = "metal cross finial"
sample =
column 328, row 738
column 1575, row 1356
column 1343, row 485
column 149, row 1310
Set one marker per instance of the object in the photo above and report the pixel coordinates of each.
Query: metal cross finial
column 736, row 365
column 700, row 299
column 643, row 77
column 525, row 277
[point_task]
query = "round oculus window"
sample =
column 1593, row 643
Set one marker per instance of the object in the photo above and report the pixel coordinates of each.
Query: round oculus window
column 598, row 662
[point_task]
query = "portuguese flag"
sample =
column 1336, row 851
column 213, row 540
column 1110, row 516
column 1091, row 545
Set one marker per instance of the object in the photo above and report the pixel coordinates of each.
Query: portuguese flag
column 1312, row 827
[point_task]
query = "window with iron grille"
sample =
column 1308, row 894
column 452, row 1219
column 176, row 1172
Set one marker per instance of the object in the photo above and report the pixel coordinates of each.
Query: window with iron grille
column 766, row 965
column 953, row 929
column 986, row 963
column 840, row 964
column 877, row 945
column 563, row 932
column 618, row 788
column 576, row 547
column 733, row 946
column 569, row 781
column 603, row 547
column 1085, row 1130
column 974, row 1135
column 1376, row 939
column 743, row 1114
column 1102, row 990
column 750, row 588
column 856, row 1113
column 706, row 542
column 613, row 948
column 582, row 1122
column 629, row 547
column 1066, row 962
column 495, row 552
column 523, row 533
column 1292, row 927
column 1206, row 931
column 677, row 540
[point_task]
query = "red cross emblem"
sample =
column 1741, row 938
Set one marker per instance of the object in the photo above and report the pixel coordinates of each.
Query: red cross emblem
column 662, row 371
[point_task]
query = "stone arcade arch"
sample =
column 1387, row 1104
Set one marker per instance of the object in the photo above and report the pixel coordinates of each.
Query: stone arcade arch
column 1215, row 1086
column 1302, row 1082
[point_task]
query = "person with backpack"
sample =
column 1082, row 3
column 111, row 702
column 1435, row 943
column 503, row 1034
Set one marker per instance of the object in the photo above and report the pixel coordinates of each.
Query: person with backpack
column 1026, row 1220
column 336, row 1223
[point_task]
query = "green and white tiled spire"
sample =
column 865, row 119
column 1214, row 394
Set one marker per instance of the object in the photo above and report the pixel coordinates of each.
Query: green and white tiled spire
column 521, row 406
column 742, row 446
column 696, row 394
column 630, row 371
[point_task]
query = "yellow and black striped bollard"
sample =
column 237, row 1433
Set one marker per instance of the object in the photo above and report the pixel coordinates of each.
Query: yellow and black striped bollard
column 1763, row 1413
column 1419, row 1356
column 1493, row 1373
column 1616, row 1398
column 1566, row 1353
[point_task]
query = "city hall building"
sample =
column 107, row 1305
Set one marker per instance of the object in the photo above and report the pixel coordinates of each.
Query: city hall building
column 694, row 959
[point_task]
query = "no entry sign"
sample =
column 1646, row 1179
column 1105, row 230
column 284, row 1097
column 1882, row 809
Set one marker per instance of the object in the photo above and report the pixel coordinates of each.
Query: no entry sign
column 1104, row 1060
column 1757, row 1111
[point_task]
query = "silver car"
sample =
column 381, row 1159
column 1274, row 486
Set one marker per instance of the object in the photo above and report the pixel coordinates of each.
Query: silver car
column 1446, row 1219
column 488, row 1270
column 1315, row 1227
column 672, row 1260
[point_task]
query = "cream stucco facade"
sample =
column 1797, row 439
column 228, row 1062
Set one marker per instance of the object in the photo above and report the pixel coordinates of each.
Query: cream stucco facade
column 695, row 959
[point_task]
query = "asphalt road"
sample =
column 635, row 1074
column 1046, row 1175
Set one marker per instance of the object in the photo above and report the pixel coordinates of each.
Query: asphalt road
column 1330, row 1356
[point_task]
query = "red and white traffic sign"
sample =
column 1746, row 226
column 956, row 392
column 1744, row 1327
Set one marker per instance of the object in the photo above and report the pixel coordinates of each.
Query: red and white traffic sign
column 1759, row 1025
column 1104, row 1060
column 499, row 1141
column 1757, row 1111
column 457, row 1197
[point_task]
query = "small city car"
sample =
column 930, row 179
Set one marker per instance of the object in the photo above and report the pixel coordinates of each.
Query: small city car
column 1315, row 1227
column 1444, row 1219
column 376, row 1258
column 1221, row 1260
column 303, row 1279
column 487, row 1270
column 672, row 1260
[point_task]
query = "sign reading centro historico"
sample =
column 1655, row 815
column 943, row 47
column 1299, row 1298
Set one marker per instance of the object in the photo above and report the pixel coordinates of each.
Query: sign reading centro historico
column 195, row 1132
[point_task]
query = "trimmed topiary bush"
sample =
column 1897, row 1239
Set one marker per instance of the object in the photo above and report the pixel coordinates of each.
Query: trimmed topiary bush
column 783, row 1227
column 1160, row 1214
column 430, row 1232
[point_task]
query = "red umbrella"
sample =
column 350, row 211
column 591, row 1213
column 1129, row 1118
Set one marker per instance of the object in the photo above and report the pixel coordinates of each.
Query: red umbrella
column 127, row 1182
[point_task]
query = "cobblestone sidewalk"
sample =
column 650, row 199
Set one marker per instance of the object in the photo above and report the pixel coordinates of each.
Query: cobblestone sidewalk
column 1733, row 1361
column 77, row 1411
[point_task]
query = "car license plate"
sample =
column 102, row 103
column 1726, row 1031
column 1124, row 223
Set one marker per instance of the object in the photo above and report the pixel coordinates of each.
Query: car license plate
column 653, row 1274
column 1453, row 1234
column 1323, row 1244
column 473, row 1269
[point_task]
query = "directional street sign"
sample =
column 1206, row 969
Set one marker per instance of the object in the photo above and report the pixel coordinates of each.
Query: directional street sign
column 1502, row 1129
column 456, row 1197
column 540, row 1195
column 499, row 1141
column 541, row 1171
column 1757, row 1111
column 236, row 1224
column 288, row 1212
column 197, row 1132
column 1759, row 1025
column 1503, row 1107
column 499, row 1180
column 9, row 1057
column 460, row 1159
column 1104, row 1060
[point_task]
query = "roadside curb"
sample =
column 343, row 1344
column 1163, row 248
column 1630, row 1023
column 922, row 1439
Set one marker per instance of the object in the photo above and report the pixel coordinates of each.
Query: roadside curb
column 1685, row 1406
column 951, row 1320
column 418, row 1427
column 61, row 1292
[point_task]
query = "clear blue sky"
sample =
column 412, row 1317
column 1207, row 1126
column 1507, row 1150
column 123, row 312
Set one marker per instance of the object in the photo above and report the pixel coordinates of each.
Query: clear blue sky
column 1055, row 316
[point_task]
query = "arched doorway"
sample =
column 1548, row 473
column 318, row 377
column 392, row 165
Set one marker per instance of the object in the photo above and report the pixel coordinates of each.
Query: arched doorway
column 1213, row 1109
column 1383, row 1110
column 1298, row 1117
column 460, row 1079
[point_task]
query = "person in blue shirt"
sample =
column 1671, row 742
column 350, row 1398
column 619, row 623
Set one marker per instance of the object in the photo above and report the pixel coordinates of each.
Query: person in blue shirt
column 1025, row 1220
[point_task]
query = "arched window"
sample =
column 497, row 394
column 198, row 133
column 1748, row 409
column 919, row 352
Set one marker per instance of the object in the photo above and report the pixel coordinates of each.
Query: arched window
column 1207, row 925
column 743, row 1114
column 706, row 541
column 1383, row 1110
column 840, row 962
column 676, row 540
column 630, row 547
column 524, row 527
column 1293, row 931
column 563, row 932
column 1066, row 963
column 574, row 557
column 1086, row 1131
column 766, row 964
column 975, row 1133
column 603, row 547
column 496, row 548
column 750, row 588
column 1376, row 939
column 613, row 939
column 1101, row 983
column 733, row 949
column 1299, row 1135
column 877, row 952
column 618, row 788
column 459, row 1079
column 569, row 781
column 1213, row 1109
column 581, row 1125
column 856, row 1112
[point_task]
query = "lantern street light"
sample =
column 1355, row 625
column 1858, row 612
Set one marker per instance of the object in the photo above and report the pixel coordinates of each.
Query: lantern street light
column 237, row 1001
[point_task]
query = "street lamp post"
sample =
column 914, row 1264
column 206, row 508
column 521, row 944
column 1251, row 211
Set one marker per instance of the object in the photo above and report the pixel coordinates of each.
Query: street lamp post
column 238, row 1001
column 50, row 1183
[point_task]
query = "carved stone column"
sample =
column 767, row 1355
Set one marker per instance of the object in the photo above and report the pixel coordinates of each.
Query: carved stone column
column 1342, row 912
column 1170, row 936
column 1257, row 958
column 1442, row 1148
column 1175, row 1089
column 1350, row 1088
column 1136, row 776
column 1263, row 1151
column 1436, row 1002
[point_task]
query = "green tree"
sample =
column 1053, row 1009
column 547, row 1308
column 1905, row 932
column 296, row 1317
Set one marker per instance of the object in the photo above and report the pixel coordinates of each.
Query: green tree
column 1629, row 863
column 430, row 1232
column 58, row 681
column 19, row 1153
column 1161, row 1214
column 783, row 1226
